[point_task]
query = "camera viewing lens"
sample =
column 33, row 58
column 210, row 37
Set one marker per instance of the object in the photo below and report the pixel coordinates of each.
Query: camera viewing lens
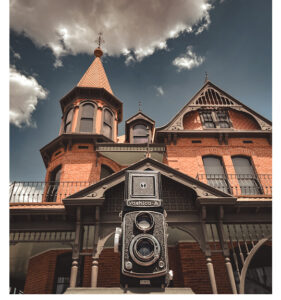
column 144, row 221
column 145, row 248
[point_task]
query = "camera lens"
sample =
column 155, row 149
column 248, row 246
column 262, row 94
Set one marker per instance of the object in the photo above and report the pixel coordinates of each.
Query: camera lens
column 144, row 221
column 145, row 248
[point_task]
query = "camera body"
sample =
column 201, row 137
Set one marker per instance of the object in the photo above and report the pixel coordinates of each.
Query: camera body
column 142, row 238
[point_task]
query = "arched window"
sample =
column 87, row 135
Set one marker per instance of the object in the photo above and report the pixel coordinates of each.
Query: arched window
column 105, row 171
column 107, row 123
column 87, row 118
column 247, row 178
column 68, row 121
column 53, row 185
column 215, row 173
column 140, row 134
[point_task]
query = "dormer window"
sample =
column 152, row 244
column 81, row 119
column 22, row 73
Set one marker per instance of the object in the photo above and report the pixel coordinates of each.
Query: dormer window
column 68, row 121
column 108, row 123
column 140, row 134
column 215, row 119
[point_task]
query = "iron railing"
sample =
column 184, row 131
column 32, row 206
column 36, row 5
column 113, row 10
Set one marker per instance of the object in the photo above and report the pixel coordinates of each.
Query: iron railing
column 239, row 184
column 42, row 192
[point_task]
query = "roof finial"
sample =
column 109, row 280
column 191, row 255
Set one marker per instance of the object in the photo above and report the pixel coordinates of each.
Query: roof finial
column 140, row 106
column 98, row 52
column 206, row 77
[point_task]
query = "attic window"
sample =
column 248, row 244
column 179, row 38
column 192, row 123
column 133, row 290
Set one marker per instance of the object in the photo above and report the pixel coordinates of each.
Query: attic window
column 83, row 147
column 215, row 119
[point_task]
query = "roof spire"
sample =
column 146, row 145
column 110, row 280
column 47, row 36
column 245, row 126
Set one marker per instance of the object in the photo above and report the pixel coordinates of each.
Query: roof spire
column 140, row 106
column 98, row 52
column 95, row 76
column 206, row 77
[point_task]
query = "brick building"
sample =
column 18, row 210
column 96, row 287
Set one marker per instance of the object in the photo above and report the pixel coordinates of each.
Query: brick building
column 214, row 157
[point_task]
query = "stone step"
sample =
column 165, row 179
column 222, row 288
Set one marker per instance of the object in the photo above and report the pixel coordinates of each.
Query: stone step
column 117, row 290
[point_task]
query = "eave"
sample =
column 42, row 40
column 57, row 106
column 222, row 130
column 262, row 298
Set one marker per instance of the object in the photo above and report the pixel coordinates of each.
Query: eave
column 93, row 93
column 67, row 140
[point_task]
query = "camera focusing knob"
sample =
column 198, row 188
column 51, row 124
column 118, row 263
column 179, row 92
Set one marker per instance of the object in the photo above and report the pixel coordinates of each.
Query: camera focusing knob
column 128, row 265
column 161, row 264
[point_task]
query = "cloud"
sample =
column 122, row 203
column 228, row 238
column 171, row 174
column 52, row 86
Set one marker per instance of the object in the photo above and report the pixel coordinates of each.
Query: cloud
column 188, row 60
column 24, row 95
column 160, row 91
column 132, row 28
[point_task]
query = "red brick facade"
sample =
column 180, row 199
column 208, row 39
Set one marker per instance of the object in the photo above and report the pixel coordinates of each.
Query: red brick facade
column 186, row 260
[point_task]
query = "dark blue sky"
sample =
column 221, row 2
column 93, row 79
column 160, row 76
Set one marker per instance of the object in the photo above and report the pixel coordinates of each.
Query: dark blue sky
column 237, row 56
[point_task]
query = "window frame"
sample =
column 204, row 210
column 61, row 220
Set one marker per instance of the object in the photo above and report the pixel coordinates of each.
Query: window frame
column 224, row 180
column 104, row 122
column 53, row 184
column 65, row 123
column 255, row 180
column 214, row 118
column 80, row 113
column 148, row 132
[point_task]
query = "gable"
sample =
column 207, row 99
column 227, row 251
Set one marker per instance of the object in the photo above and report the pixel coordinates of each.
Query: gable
column 188, row 188
column 212, row 97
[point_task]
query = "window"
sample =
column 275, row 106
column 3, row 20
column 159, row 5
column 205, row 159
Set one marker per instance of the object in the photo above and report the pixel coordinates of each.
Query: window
column 107, row 123
column 53, row 185
column 215, row 173
column 62, row 272
column 105, row 171
column 140, row 134
column 208, row 119
column 222, row 118
column 87, row 118
column 68, row 121
column 247, row 178
column 215, row 119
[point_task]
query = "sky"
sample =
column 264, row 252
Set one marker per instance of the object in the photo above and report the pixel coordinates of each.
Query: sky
column 156, row 52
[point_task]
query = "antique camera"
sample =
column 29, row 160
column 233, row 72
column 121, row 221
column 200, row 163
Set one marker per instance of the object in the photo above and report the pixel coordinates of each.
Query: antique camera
column 142, row 238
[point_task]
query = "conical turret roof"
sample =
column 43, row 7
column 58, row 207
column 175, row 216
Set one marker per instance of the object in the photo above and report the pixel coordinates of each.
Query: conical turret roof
column 95, row 76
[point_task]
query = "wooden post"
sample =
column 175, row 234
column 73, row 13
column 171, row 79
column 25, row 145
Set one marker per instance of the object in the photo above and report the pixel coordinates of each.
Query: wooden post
column 230, row 275
column 211, row 275
column 95, row 254
column 225, row 249
column 76, row 250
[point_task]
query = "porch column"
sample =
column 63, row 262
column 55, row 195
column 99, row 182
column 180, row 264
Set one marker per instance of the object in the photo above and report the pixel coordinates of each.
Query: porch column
column 230, row 275
column 76, row 249
column 225, row 249
column 208, row 251
column 95, row 254
column 211, row 274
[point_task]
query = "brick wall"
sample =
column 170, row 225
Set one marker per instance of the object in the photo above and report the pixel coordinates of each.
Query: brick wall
column 187, row 157
column 191, row 121
column 41, row 272
column 244, row 121
column 186, row 260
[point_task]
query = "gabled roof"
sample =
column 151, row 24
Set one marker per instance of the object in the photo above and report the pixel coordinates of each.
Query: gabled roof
column 212, row 96
column 140, row 116
column 94, row 194
column 95, row 76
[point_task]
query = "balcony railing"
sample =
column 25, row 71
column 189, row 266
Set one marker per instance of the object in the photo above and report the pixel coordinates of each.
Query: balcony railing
column 239, row 185
column 49, row 192
column 42, row 192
